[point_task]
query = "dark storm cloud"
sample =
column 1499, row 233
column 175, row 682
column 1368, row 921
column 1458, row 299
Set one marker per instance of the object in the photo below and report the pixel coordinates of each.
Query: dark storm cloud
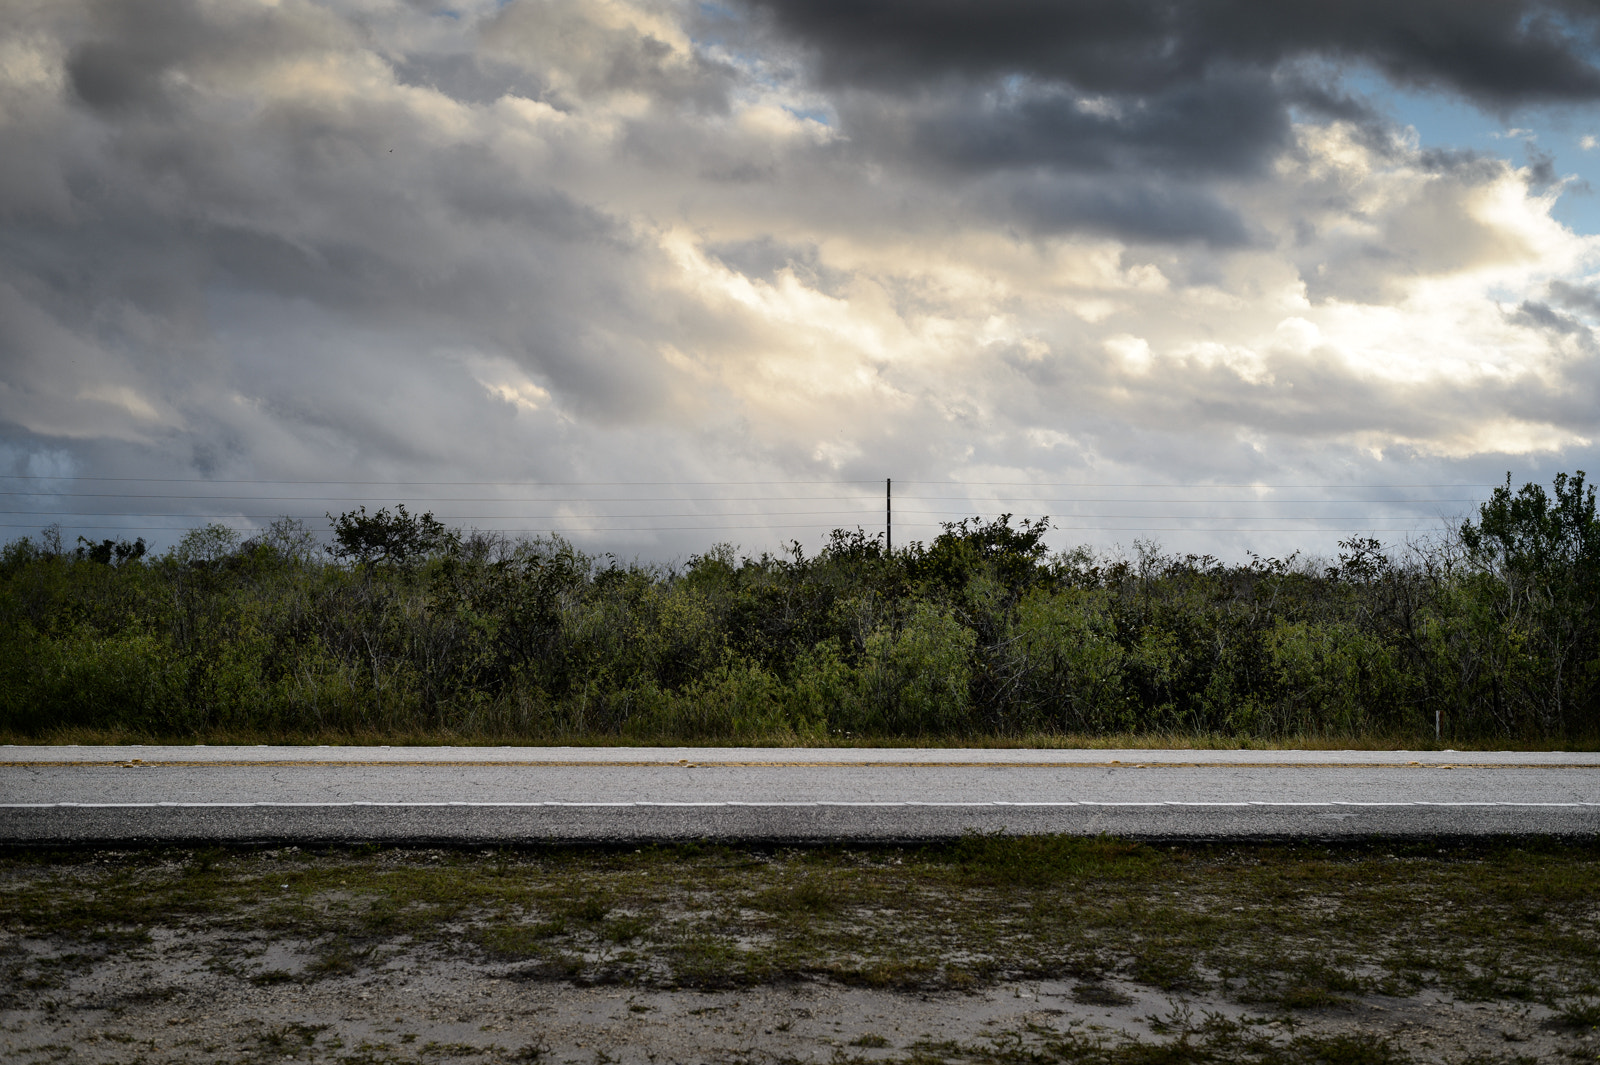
column 1212, row 125
column 1051, row 160
column 1177, row 88
column 1136, row 211
column 134, row 45
column 1498, row 52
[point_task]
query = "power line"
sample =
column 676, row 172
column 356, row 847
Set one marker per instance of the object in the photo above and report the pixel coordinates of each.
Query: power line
column 135, row 526
column 1191, row 484
column 771, row 527
column 844, row 481
column 855, row 504
column 423, row 484
column 482, row 517
column 539, row 531
column 375, row 499
column 864, row 514
column 706, row 499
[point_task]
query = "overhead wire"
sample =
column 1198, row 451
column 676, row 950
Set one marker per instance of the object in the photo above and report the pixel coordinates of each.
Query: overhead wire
column 710, row 499
column 873, row 481
column 854, row 502
column 712, row 528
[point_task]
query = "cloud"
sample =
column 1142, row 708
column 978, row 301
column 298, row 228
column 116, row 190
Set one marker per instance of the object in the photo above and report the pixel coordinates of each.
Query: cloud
column 639, row 241
column 1218, row 124
column 1584, row 299
column 1500, row 54
column 1173, row 88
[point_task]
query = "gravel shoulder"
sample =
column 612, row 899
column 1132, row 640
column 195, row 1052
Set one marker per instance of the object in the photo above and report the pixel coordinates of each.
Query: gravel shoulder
column 989, row 950
column 171, row 1004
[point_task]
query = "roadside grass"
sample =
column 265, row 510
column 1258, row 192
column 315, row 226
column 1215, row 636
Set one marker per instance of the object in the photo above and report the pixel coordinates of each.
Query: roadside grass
column 1141, row 740
column 1282, row 928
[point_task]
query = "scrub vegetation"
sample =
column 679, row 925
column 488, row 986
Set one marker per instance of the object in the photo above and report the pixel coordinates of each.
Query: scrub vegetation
column 1283, row 932
column 405, row 629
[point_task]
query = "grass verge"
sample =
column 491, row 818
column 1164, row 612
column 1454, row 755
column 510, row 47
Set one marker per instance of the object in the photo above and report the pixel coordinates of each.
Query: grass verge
column 1282, row 927
column 1147, row 740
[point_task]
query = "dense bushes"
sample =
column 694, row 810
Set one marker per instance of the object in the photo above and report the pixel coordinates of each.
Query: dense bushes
column 1490, row 632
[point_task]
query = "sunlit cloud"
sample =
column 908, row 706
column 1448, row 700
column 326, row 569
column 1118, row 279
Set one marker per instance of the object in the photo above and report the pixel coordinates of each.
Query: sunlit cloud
column 650, row 241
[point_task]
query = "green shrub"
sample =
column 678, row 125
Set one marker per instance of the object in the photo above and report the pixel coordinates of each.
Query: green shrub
column 915, row 681
column 1069, row 663
column 131, row 681
column 1495, row 631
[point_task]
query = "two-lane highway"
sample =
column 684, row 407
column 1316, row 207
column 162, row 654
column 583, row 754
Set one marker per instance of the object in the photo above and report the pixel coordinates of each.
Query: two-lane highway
column 522, row 794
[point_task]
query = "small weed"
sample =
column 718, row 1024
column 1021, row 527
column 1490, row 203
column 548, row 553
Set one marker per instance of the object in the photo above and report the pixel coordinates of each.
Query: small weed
column 809, row 896
column 339, row 957
column 269, row 977
column 625, row 929
column 291, row 1037
column 1580, row 1013
column 1163, row 967
column 520, row 940
column 1093, row 993
column 590, row 910
column 1341, row 1050
column 871, row 1040
column 451, row 1050
column 1496, row 979
column 1301, row 997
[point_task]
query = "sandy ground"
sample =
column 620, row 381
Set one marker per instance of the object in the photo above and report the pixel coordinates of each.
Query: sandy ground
column 205, row 998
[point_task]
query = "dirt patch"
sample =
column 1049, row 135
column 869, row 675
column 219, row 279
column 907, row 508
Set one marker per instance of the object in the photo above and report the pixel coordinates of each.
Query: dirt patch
column 172, row 1004
column 989, row 950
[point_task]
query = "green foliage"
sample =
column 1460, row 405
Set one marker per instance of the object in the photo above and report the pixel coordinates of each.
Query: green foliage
column 426, row 630
column 209, row 545
column 111, row 552
column 972, row 547
column 1069, row 661
column 1328, row 675
column 915, row 680
column 1530, row 534
column 1524, row 623
column 399, row 537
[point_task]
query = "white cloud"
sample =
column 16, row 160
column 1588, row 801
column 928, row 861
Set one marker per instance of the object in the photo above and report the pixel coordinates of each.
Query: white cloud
column 567, row 243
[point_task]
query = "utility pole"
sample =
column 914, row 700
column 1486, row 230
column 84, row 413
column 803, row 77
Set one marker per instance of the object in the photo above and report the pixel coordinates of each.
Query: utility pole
column 888, row 516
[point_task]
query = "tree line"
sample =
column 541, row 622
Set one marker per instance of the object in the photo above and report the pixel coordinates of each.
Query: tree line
column 405, row 627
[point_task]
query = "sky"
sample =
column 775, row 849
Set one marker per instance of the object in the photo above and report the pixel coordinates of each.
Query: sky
column 1231, row 276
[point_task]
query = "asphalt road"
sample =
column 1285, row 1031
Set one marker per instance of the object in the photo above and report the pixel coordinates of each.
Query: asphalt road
column 522, row 794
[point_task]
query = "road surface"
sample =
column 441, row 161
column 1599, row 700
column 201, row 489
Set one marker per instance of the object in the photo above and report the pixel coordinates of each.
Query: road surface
column 526, row 794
